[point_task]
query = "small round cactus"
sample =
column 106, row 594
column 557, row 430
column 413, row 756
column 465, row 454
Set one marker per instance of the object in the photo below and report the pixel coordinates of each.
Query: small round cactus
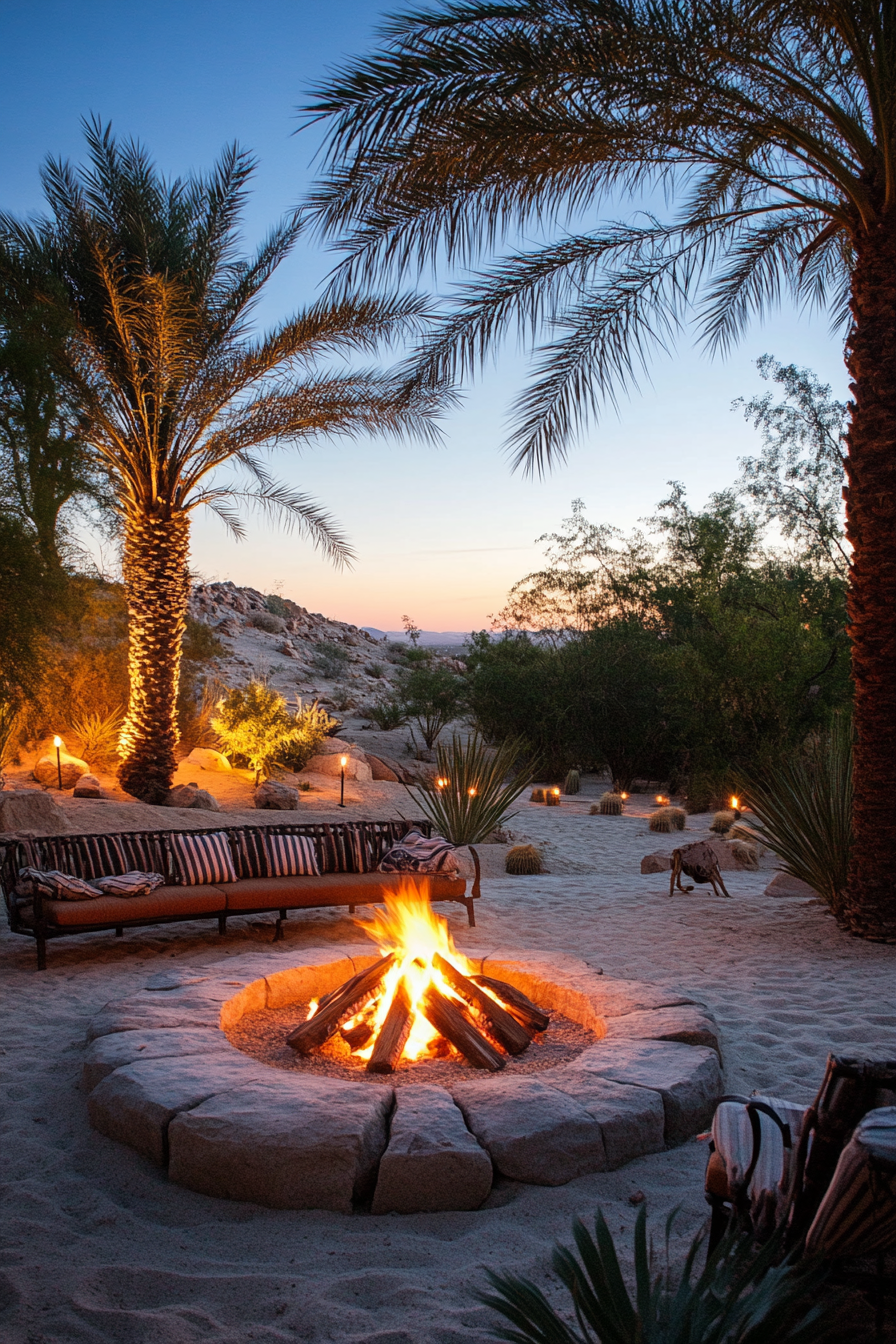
column 522, row 860
column 573, row 782
column 668, row 819
column 722, row 822
column 610, row 805
column 746, row 854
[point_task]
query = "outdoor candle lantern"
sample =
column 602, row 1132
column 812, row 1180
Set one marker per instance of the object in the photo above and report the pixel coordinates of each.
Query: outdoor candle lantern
column 552, row 798
column 57, row 743
column 343, row 762
column 662, row 800
column 734, row 804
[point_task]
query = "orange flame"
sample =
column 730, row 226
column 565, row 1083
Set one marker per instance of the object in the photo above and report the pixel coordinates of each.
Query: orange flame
column 735, row 802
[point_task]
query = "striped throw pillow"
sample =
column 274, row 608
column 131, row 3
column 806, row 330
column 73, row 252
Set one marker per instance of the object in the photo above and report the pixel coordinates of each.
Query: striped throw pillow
column 129, row 884
column 292, row 856
column 201, row 857
column 252, row 853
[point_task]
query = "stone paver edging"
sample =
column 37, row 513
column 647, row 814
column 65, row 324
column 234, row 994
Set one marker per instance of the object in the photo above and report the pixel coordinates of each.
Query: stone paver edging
column 163, row 1078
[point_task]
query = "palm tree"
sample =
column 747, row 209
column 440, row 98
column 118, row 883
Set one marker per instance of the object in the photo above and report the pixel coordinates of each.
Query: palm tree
column 171, row 384
column 771, row 127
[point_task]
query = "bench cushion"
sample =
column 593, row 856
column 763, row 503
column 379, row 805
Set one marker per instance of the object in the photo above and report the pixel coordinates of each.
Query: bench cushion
column 271, row 893
column 171, row 901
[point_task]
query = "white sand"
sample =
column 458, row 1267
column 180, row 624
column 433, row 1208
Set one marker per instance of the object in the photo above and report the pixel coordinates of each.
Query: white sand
column 100, row 1247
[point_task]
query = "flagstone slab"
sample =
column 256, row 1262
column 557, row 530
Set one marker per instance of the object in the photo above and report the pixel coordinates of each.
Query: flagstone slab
column 432, row 1162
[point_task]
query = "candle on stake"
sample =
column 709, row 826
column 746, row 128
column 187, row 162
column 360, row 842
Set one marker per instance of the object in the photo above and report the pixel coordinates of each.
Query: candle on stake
column 343, row 762
column 57, row 743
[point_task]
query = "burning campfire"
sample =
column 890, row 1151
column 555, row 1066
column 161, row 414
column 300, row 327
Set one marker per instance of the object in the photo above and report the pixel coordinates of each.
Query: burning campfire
column 420, row 1000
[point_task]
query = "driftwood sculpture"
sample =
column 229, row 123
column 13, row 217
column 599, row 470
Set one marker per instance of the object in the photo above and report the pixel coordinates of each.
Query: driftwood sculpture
column 699, row 862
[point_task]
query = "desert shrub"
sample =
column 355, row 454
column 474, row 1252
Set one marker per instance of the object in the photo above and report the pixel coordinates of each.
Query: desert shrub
column 201, row 644
column 276, row 606
column 375, row 670
column 742, row 1294
column 33, row 596
column 96, row 736
column 195, row 713
column 313, row 724
column 264, row 620
column 9, row 732
column 802, row 811
column 475, row 788
column 329, row 659
column 432, row 696
column 387, row 712
column 255, row 726
column 343, row 698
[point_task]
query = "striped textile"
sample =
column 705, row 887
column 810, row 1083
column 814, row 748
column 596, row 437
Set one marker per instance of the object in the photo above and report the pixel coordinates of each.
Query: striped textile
column 414, row 853
column 344, row 849
column 129, row 884
column 201, row 857
column 142, row 854
column 858, row 1213
column 88, row 855
column 732, row 1135
column 55, row 885
column 252, row 853
column 292, row 856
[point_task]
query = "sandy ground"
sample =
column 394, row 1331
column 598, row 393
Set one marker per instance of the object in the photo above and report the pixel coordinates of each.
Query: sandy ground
column 100, row 1247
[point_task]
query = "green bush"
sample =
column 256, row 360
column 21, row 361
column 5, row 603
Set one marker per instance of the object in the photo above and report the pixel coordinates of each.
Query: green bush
column 263, row 620
column 313, row 724
column 201, row 644
column 254, row 725
column 387, row 712
column 432, row 696
column 330, row 660
column 276, row 606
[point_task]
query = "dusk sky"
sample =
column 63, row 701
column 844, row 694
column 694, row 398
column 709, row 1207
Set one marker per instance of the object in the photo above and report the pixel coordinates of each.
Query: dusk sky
column 440, row 534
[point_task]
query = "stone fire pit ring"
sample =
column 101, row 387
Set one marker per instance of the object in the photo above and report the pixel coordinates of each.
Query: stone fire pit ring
column 163, row 1078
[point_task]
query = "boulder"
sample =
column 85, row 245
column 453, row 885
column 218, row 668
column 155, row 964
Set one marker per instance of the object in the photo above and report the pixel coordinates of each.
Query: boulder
column 207, row 759
column 533, row 1132
column 688, row 1078
column 190, row 795
column 632, row 1119
column 108, row 1053
column 689, row 1023
column 656, row 863
column 71, row 768
column 136, row 1014
column 380, row 770
column 136, row 1103
column 88, row 786
column 783, row 884
column 329, row 765
column 30, row 810
column 390, row 763
column 336, row 746
column 287, row 1142
column 272, row 796
column 433, row 1161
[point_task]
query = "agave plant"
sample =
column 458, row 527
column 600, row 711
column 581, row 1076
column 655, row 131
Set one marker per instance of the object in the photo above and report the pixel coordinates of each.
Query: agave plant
column 98, row 736
column 472, row 795
column 740, row 1297
column 803, row 812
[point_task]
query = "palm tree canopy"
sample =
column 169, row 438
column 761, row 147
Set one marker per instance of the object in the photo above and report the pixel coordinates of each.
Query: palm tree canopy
column 770, row 125
column 161, row 359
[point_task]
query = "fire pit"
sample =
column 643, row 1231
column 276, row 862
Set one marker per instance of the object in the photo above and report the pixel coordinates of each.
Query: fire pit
column 163, row 1077
column 422, row 999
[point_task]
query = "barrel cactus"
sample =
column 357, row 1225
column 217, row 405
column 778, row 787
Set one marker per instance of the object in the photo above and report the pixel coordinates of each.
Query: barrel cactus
column 522, row 860
column 667, row 819
column 722, row 822
column 573, row 782
column 610, row 805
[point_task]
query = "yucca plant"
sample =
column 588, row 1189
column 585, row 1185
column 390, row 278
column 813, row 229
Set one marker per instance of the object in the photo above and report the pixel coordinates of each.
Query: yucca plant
column 98, row 736
column 802, row 812
column 475, row 788
column 740, row 1297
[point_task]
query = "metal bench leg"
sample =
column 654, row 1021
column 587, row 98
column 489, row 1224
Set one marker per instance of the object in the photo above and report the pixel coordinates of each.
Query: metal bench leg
column 222, row 923
column 41, row 953
column 351, row 909
column 278, row 928
column 119, row 932
column 471, row 913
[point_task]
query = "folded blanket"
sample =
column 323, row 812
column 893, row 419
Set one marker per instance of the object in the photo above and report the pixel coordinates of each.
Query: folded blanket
column 414, row 853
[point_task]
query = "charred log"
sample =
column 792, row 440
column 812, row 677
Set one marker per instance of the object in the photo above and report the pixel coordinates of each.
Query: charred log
column 496, row 1021
column 334, row 1009
column 515, row 1001
column 453, row 1023
column 393, row 1033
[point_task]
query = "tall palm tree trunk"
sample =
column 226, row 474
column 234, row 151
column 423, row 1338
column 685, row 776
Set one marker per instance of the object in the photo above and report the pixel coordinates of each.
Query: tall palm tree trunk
column 155, row 575
column 870, row 905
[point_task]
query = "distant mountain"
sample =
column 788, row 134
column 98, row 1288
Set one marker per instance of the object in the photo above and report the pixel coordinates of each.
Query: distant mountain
column 428, row 637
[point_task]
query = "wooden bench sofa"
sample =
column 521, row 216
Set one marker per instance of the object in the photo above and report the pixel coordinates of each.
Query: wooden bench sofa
column 348, row 855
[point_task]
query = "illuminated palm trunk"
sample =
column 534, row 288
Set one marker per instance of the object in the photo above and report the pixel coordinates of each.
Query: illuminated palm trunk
column 870, row 907
column 157, row 584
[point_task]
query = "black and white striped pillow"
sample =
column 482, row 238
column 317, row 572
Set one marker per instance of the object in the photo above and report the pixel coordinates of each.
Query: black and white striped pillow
column 292, row 856
column 55, row 885
column 200, row 858
column 129, row 884
column 252, row 853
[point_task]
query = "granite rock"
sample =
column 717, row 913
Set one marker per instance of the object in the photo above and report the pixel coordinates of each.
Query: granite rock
column 272, row 796
column 432, row 1162
column 207, row 759
column 31, row 810
column 688, row 1023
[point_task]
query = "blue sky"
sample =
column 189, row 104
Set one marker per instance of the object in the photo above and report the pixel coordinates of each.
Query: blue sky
column 440, row 533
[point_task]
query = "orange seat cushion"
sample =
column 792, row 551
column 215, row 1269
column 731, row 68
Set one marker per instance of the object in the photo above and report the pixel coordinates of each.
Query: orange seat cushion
column 170, row 901
column 294, row 893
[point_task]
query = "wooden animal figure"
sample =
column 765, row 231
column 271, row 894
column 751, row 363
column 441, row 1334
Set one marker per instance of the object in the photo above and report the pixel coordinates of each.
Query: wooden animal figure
column 697, row 861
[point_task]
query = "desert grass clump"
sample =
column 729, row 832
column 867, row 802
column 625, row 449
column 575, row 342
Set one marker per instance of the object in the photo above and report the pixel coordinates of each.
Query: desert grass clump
column 722, row 822
column 573, row 782
column 746, row 854
column 523, row 860
column 610, row 805
column 667, row 819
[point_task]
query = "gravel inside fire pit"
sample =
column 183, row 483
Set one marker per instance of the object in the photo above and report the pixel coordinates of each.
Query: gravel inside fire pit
column 263, row 1036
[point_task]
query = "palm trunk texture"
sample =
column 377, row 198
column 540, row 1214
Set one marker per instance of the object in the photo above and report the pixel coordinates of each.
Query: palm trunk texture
column 157, row 584
column 870, row 903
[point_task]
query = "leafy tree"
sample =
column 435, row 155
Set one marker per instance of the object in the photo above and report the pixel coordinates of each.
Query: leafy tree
column 26, row 583
column 432, row 695
column 253, row 723
column 798, row 478
column 771, row 130
column 171, row 385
